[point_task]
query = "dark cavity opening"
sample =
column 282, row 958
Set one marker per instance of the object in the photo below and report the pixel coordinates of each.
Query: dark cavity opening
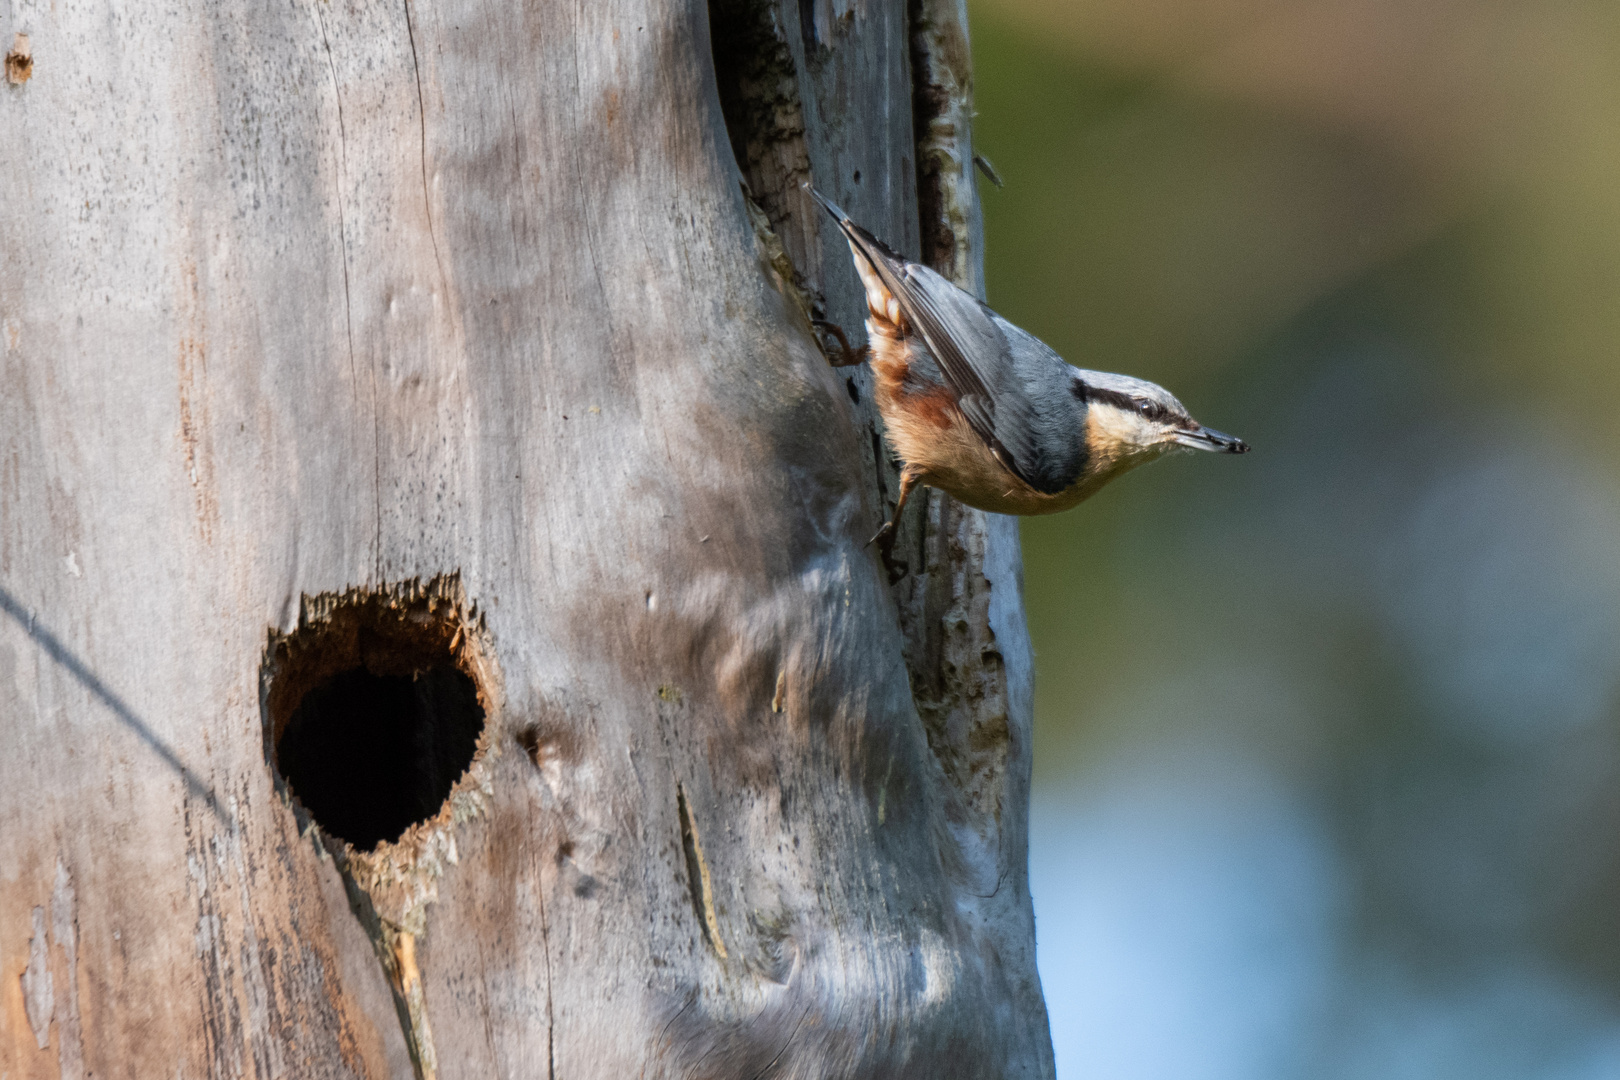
column 753, row 70
column 371, row 755
column 758, row 84
column 373, row 712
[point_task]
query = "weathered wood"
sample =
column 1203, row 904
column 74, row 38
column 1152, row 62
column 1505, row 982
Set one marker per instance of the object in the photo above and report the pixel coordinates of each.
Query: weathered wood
column 462, row 308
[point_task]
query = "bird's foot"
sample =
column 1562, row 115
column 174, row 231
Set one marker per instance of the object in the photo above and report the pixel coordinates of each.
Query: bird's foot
column 844, row 356
column 884, row 538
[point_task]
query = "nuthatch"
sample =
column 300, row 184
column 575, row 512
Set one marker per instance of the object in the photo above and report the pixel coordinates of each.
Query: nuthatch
column 988, row 413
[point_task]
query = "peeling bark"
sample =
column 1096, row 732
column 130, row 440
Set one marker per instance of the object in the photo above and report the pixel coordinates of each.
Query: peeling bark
column 470, row 338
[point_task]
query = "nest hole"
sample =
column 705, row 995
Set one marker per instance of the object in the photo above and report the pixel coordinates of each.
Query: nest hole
column 374, row 713
column 759, row 98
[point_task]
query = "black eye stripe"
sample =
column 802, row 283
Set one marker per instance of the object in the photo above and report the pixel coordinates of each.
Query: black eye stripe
column 1088, row 393
column 1142, row 406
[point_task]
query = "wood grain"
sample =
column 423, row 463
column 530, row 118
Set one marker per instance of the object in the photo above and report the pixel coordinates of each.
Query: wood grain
column 308, row 297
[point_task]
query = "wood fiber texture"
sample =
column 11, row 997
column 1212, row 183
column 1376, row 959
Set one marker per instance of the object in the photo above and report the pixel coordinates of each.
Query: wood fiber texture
column 464, row 304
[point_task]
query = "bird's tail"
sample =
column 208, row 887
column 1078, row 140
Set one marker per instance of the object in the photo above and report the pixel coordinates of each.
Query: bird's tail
column 831, row 207
column 879, row 267
column 865, row 244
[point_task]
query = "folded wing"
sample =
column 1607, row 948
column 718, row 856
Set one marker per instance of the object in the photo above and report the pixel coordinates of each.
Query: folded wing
column 1013, row 391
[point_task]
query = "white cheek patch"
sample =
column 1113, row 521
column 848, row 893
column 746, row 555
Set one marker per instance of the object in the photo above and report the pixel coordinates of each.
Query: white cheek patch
column 1117, row 433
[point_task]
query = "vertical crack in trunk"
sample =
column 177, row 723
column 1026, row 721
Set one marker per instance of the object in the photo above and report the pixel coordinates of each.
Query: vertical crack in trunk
column 343, row 223
column 697, row 874
column 396, row 950
column 551, row 994
column 942, row 101
column 406, row 981
column 959, row 679
column 421, row 115
column 764, row 112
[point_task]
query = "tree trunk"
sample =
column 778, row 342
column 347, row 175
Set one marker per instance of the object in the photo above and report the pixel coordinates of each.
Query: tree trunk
column 438, row 634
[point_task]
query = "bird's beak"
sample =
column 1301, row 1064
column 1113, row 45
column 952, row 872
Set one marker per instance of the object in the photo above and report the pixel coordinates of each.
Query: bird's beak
column 1204, row 438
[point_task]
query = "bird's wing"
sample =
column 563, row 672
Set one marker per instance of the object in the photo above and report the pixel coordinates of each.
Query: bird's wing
column 976, row 359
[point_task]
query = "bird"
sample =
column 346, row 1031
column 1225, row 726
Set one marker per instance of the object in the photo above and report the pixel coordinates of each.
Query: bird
column 985, row 411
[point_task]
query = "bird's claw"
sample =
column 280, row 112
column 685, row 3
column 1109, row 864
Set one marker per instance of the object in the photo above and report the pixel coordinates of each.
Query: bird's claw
column 884, row 538
column 844, row 356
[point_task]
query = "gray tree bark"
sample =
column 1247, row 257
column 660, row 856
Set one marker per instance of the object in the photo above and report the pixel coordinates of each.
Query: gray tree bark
column 465, row 344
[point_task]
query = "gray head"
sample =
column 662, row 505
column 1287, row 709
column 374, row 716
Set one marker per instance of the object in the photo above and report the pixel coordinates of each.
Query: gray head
column 1129, row 421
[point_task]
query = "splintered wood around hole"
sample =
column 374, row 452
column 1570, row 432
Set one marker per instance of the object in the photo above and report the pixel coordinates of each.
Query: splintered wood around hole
column 376, row 708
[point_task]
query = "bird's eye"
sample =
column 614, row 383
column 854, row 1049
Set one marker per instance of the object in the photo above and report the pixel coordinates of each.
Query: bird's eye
column 1147, row 409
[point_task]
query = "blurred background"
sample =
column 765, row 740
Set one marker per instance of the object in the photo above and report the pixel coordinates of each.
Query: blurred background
column 1327, row 752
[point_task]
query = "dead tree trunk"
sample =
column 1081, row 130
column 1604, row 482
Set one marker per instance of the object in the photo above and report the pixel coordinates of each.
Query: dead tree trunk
column 437, row 635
